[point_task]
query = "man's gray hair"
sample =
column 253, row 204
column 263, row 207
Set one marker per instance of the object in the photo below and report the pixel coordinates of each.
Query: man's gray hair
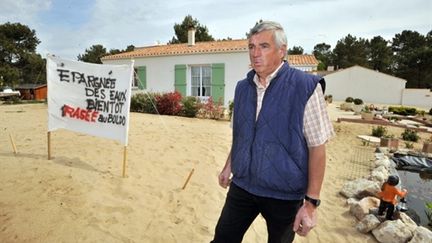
column 278, row 32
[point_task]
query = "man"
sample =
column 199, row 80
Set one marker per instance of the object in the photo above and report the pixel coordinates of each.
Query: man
column 277, row 159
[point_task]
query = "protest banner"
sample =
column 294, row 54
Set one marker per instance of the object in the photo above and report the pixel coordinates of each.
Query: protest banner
column 89, row 98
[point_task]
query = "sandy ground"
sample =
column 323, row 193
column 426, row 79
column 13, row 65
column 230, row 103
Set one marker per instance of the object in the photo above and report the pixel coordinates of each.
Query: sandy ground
column 80, row 195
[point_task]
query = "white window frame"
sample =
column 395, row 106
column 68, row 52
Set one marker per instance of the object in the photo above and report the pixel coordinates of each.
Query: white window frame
column 198, row 94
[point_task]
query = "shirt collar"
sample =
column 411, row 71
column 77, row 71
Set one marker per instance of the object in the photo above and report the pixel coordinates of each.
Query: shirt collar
column 268, row 79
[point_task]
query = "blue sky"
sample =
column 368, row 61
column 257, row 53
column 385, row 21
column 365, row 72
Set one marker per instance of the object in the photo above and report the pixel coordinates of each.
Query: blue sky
column 67, row 27
column 66, row 13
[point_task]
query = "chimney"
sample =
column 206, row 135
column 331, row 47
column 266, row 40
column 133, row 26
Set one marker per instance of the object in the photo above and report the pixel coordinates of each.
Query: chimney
column 191, row 36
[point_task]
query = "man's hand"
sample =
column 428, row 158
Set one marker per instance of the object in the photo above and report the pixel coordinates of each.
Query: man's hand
column 224, row 177
column 305, row 219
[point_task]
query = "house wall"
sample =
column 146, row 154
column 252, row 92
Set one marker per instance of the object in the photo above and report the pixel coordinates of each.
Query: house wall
column 369, row 85
column 40, row 93
column 160, row 70
column 306, row 68
column 421, row 98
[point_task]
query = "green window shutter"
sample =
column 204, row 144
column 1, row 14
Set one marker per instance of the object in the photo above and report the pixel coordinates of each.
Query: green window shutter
column 142, row 77
column 218, row 82
column 180, row 79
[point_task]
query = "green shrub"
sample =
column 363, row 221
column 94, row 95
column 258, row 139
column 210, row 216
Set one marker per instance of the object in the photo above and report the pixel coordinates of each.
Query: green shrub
column 421, row 112
column 366, row 109
column 389, row 136
column 411, row 111
column 409, row 145
column 144, row 102
column 189, row 106
column 349, row 99
column 231, row 108
column 410, row 135
column 358, row 101
column 379, row 131
column 136, row 103
column 428, row 210
column 403, row 111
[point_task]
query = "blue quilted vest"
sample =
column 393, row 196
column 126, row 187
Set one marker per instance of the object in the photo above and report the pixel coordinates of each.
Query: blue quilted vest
column 269, row 156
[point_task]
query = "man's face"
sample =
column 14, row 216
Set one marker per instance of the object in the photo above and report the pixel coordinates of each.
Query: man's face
column 264, row 55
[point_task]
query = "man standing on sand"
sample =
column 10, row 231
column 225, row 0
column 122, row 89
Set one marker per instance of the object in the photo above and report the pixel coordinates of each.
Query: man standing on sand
column 277, row 159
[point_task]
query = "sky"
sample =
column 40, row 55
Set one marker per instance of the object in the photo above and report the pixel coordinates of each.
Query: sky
column 66, row 28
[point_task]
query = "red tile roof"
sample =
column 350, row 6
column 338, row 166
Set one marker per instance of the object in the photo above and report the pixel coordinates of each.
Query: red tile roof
column 228, row 46
column 183, row 49
column 299, row 60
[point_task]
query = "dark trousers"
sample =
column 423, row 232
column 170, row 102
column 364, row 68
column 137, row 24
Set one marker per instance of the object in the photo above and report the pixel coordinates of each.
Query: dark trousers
column 386, row 205
column 240, row 210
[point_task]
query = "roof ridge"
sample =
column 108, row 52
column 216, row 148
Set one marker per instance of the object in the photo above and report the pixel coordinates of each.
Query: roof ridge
column 219, row 46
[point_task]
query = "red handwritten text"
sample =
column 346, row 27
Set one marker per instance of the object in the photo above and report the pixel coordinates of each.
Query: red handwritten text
column 79, row 113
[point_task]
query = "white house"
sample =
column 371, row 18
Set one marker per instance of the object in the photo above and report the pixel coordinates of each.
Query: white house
column 201, row 69
column 307, row 63
column 369, row 85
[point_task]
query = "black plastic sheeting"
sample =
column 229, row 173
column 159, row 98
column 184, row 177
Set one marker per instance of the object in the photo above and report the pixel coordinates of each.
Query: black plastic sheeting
column 412, row 162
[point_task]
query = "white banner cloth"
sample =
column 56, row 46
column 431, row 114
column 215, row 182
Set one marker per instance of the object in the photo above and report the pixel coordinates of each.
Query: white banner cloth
column 89, row 98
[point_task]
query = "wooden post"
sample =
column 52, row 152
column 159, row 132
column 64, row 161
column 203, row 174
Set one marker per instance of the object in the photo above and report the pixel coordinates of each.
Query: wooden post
column 13, row 144
column 187, row 180
column 49, row 145
column 124, row 161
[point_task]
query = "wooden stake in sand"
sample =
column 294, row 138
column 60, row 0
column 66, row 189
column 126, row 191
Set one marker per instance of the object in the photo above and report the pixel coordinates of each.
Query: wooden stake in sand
column 49, row 145
column 187, row 180
column 124, row 161
column 13, row 144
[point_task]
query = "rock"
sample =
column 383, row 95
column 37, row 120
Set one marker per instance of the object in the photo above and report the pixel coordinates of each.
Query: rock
column 379, row 153
column 361, row 209
column 368, row 223
column 382, row 169
column 383, row 162
column 374, row 211
column 351, row 201
column 379, row 174
column 410, row 224
column 421, row 235
column 360, row 188
column 392, row 232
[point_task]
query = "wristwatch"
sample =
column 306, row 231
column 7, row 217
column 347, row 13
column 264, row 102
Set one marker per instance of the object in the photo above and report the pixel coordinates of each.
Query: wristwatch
column 315, row 202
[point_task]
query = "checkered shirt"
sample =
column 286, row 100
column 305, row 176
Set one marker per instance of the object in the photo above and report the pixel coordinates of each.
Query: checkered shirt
column 317, row 127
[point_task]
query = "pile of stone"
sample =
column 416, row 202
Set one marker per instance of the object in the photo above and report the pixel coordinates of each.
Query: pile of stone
column 362, row 199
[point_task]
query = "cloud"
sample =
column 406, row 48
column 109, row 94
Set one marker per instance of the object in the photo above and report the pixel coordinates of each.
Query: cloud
column 23, row 11
column 67, row 27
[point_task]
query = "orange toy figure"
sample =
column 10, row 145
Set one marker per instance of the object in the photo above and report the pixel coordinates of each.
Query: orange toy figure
column 388, row 196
